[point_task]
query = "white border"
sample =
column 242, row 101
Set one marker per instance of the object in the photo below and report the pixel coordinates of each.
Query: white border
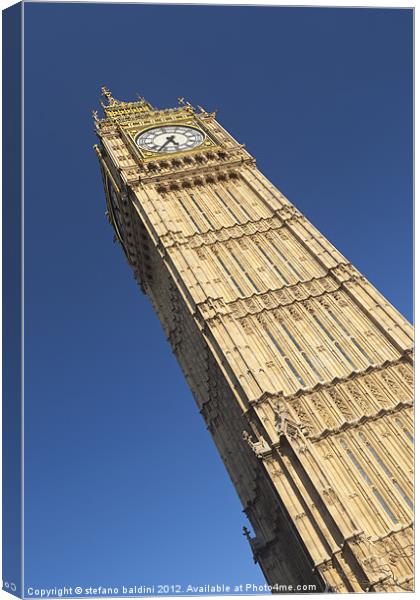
column 385, row 4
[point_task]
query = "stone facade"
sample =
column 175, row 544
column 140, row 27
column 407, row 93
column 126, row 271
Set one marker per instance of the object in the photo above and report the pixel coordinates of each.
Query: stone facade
column 301, row 369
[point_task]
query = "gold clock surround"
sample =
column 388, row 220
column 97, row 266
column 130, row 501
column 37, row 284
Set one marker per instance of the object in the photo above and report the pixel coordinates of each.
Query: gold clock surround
column 208, row 143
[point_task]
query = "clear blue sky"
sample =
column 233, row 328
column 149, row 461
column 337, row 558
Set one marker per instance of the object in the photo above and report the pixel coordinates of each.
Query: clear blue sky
column 123, row 483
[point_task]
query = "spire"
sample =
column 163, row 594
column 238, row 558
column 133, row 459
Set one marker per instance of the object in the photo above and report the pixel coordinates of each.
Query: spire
column 108, row 95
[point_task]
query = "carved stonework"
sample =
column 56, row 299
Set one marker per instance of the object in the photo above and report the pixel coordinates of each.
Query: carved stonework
column 260, row 447
column 342, row 405
column 279, row 335
column 406, row 373
column 358, row 396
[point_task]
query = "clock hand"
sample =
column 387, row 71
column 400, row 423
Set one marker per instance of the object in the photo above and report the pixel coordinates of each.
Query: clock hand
column 167, row 142
column 170, row 138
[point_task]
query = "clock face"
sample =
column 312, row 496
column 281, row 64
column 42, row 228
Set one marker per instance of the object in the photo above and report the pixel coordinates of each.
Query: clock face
column 170, row 138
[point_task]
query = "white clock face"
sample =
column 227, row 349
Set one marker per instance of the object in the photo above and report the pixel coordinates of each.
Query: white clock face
column 170, row 138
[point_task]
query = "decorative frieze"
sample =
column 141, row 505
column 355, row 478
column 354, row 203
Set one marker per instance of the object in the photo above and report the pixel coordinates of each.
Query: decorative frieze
column 224, row 234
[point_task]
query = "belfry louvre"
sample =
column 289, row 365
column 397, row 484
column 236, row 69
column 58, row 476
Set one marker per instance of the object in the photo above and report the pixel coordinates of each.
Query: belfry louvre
column 300, row 368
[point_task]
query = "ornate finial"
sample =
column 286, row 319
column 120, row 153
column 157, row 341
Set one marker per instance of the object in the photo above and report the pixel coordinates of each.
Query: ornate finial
column 95, row 115
column 259, row 447
column 280, row 415
column 285, row 423
column 247, row 437
column 246, row 533
column 181, row 100
column 107, row 94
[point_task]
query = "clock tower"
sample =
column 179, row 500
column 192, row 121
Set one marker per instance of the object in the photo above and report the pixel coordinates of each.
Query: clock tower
column 300, row 368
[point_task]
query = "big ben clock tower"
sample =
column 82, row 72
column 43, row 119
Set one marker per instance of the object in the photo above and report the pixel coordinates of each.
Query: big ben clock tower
column 301, row 370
